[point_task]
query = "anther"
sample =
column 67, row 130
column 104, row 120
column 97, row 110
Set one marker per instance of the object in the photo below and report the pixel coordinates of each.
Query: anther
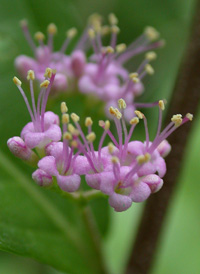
column 189, row 116
column 150, row 56
column 91, row 34
column 112, row 19
column 121, row 103
column 161, row 104
column 67, row 136
column 134, row 121
column 74, row 144
column 149, row 69
column 120, row 48
column 107, row 125
column 111, row 148
column 115, row 160
column 48, row 73
column 141, row 159
column 75, row 117
column 112, row 110
column 177, row 119
column 65, row 118
column 91, row 137
column 108, row 50
column 39, row 36
column 71, row 33
column 88, row 122
column 101, row 123
column 134, row 77
column 139, row 114
column 45, row 84
column 30, row 75
column 52, row 29
column 63, row 107
column 17, row 82
column 151, row 33
column 73, row 130
column 118, row 114
column 115, row 29
column 105, row 30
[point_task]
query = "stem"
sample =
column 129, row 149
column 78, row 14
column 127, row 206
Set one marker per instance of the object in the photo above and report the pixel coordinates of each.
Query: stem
column 185, row 98
column 93, row 231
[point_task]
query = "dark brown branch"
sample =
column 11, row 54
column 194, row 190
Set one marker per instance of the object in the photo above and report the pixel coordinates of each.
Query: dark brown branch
column 185, row 98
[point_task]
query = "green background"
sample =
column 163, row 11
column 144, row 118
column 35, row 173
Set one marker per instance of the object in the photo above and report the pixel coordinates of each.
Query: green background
column 31, row 218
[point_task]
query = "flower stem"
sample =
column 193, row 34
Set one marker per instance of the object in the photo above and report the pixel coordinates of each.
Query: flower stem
column 185, row 98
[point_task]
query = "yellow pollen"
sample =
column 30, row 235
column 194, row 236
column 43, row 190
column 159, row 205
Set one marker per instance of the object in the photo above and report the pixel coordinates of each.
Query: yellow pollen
column 73, row 130
column 52, row 29
column 134, row 121
column 65, row 118
column 151, row 33
column 112, row 19
column 149, row 69
column 161, row 104
column 120, row 48
column 118, row 114
column 139, row 114
column 91, row 137
column 63, row 107
column 105, row 30
column 121, row 103
column 115, row 160
column 91, row 34
column 39, row 36
column 75, row 117
column 67, row 136
column 30, row 75
column 115, row 29
column 48, row 73
column 189, row 116
column 134, row 77
column 111, row 148
column 74, row 144
column 108, row 50
column 141, row 159
column 54, row 71
column 88, row 122
column 93, row 18
column 177, row 119
column 71, row 33
column 101, row 123
column 112, row 111
column 151, row 55
column 107, row 125
column 17, row 82
column 45, row 84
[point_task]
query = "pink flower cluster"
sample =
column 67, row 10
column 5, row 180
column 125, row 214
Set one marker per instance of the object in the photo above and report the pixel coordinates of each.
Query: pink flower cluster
column 127, row 171
column 103, row 73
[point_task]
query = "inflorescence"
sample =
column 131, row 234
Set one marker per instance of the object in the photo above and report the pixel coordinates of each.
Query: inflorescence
column 127, row 171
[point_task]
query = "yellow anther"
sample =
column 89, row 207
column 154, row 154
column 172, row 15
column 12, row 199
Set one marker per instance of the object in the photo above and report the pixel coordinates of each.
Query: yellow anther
column 52, row 29
column 142, row 159
column 115, row 160
column 118, row 114
column 139, row 114
column 97, row 26
column 120, row 48
column 121, row 103
column 134, row 121
column 134, row 77
column 151, row 33
column 112, row 110
column 91, row 34
column 91, row 137
column 48, row 73
column 67, row 136
column 189, row 116
column 71, row 33
column 115, row 29
column 105, row 30
column 151, row 55
column 149, row 69
column 73, row 130
column 39, row 36
column 17, row 82
column 65, row 118
column 30, row 75
column 75, row 117
column 112, row 19
column 177, row 119
column 74, row 144
column 111, row 148
column 108, row 50
column 93, row 18
column 107, row 125
column 45, row 84
column 63, row 107
column 161, row 104
column 54, row 71
column 101, row 123
column 88, row 122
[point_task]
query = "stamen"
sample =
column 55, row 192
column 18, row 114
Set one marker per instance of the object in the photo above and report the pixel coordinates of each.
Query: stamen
column 120, row 48
column 88, row 122
column 150, row 56
column 24, row 26
column 111, row 148
column 107, row 125
column 118, row 114
column 105, row 30
column 115, row 29
column 151, row 33
column 65, row 118
column 134, row 77
column 149, row 69
column 48, row 73
column 108, row 50
column 74, row 144
column 189, row 116
column 139, row 114
column 71, row 33
column 112, row 19
column 141, row 159
column 75, row 117
column 91, row 137
column 63, row 107
column 45, row 84
column 122, row 104
column 17, row 82
column 67, row 136
column 134, row 121
column 73, row 130
column 30, row 75
column 39, row 36
column 52, row 29
column 177, row 120
column 115, row 160
column 161, row 104
column 91, row 34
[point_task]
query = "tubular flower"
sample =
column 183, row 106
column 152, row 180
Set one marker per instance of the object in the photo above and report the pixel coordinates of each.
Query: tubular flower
column 44, row 126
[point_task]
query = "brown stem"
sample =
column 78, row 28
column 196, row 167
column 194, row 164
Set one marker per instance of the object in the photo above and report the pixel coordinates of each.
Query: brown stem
column 185, row 98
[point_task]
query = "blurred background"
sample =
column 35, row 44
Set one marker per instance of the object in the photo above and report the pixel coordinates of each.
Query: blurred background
column 179, row 250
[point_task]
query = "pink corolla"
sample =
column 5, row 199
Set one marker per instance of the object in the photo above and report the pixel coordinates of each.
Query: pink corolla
column 44, row 126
